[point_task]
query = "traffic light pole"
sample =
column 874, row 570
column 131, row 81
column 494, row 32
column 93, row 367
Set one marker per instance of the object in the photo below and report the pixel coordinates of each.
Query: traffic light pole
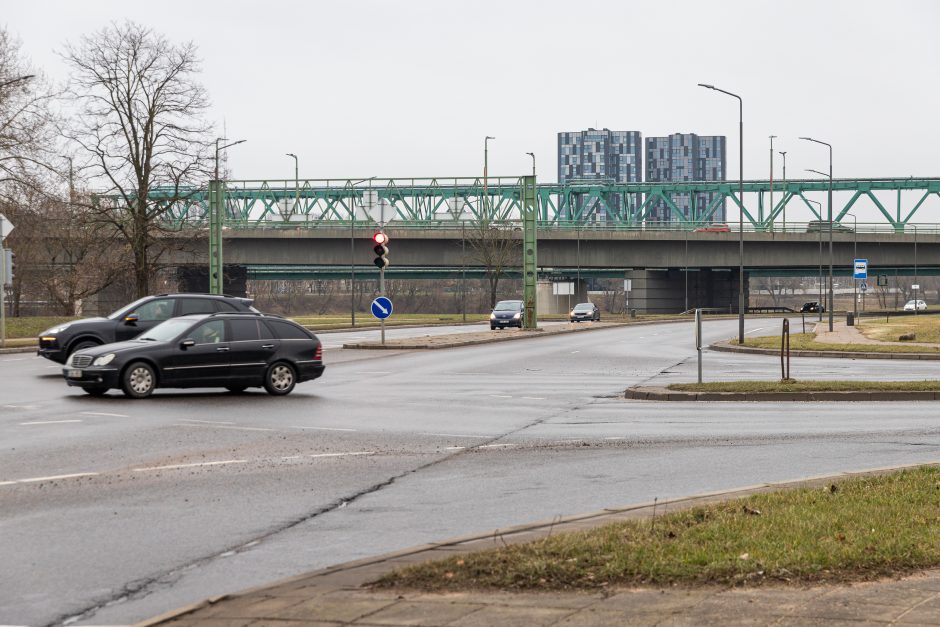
column 382, row 293
column 3, row 290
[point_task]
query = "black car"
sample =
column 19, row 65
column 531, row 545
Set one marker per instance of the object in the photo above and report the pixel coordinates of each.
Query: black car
column 231, row 350
column 60, row 341
column 584, row 311
column 507, row 313
column 814, row 306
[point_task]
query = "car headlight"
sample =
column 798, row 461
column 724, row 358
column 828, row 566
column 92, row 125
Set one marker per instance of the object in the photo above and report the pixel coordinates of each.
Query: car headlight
column 104, row 360
column 571, row 313
column 58, row 329
column 517, row 316
column 492, row 316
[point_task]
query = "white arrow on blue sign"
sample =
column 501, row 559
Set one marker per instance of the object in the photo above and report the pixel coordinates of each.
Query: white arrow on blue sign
column 861, row 268
column 381, row 308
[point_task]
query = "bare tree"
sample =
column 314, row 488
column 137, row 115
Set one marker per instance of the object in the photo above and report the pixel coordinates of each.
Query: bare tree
column 26, row 131
column 495, row 246
column 140, row 124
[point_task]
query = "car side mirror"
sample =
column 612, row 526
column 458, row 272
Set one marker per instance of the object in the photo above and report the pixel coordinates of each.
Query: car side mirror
column 187, row 343
column 131, row 318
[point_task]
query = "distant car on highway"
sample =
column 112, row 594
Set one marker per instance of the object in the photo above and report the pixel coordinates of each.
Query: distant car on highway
column 58, row 342
column 912, row 305
column 816, row 226
column 584, row 311
column 231, row 350
column 713, row 228
column 507, row 313
column 813, row 306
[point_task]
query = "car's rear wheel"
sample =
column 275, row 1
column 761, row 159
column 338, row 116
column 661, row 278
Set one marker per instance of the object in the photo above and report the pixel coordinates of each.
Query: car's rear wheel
column 82, row 345
column 280, row 379
column 139, row 380
column 95, row 391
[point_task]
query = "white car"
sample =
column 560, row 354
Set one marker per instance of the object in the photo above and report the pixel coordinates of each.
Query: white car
column 911, row 305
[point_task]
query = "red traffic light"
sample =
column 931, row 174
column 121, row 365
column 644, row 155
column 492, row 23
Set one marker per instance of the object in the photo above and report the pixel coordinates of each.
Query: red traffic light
column 380, row 238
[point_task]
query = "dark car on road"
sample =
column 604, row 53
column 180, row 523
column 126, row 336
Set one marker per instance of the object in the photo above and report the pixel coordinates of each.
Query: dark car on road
column 60, row 341
column 231, row 350
column 507, row 313
column 584, row 311
column 813, row 306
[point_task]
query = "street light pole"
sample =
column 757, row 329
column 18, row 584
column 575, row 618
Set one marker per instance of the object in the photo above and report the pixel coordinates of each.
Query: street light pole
column 914, row 226
column 296, row 181
column 820, row 280
column 810, row 139
column 218, row 148
column 772, row 179
column 854, row 257
column 352, row 251
column 784, row 154
column 741, row 306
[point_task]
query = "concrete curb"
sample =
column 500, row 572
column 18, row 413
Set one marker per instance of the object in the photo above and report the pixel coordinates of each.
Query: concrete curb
column 658, row 393
column 19, row 349
column 727, row 347
column 358, row 573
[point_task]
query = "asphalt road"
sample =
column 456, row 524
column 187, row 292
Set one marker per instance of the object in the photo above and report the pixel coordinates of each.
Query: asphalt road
column 113, row 510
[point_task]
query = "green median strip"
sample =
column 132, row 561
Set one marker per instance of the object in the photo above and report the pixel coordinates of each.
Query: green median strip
column 807, row 386
column 856, row 529
column 807, row 341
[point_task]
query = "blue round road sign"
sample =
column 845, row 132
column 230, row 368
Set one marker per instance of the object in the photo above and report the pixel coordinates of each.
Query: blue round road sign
column 381, row 308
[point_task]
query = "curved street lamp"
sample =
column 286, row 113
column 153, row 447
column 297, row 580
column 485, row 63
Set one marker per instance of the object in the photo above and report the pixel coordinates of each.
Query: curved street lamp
column 816, row 141
column 741, row 305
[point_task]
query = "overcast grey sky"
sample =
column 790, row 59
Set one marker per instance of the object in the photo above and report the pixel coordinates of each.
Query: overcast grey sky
column 411, row 87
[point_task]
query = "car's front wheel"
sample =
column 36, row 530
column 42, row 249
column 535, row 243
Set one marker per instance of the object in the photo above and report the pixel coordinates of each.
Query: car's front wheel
column 82, row 345
column 139, row 380
column 280, row 379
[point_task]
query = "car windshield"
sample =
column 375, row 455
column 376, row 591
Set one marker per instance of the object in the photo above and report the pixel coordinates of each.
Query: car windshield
column 584, row 307
column 508, row 305
column 123, row 311
column 166, row 331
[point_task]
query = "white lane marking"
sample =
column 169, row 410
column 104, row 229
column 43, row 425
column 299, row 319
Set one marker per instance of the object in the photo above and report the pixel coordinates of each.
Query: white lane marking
column 17, row 359
column 618, row 438
column 757, row 329
column 193, row 465
column 457, row 435
column 101, row 413
column 376, row 372
column 214, row 426
column 20, row 406
column 455, row 448
column 342, row 454
column 495, row 445
column 210, row 422
column 499, row 396
column 291, row 457
column 51, row 478
column 48, row 422
column 533, row 398
column 573, row 352
column 323, row 428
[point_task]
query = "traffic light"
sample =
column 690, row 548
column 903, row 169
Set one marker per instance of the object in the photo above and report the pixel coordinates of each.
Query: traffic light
column 381, row 250
column 9, row 265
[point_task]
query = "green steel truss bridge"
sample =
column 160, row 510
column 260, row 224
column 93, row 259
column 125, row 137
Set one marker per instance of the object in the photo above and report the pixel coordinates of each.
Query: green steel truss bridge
column 446, row 202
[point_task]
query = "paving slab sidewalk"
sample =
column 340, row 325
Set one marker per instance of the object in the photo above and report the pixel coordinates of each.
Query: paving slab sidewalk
column 339, row 595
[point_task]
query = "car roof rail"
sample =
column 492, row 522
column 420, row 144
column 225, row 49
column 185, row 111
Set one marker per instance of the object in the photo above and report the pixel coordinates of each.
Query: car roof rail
column 236, row 313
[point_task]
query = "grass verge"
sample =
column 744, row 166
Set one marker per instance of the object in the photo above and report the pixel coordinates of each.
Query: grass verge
column 793, row 385
column 925, row 328
column 807, row 341
column 857, row 529
column 32, row 326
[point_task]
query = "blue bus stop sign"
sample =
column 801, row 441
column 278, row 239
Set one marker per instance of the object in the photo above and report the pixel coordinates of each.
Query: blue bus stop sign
column 381, row 308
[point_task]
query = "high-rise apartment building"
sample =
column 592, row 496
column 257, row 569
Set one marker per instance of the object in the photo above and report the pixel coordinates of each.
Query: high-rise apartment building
column 686, row 157
column 600, row 155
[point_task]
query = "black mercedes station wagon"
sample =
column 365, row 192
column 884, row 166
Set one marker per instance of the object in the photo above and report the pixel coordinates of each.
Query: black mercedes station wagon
column 230, row 350
column 58, row 342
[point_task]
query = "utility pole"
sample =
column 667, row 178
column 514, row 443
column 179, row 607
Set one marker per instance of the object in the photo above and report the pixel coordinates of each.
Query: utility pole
column 784, row 154
column 772, row 180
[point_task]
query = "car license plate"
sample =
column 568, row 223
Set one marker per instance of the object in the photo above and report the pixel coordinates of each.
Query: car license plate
column 75, row 374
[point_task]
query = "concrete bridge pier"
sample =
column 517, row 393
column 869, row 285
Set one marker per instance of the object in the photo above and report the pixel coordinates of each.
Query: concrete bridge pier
column 551, row 303
column 676, row 290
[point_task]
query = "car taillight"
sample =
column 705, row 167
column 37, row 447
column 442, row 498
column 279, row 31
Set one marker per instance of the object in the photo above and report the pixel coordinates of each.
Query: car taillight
column 318, row 354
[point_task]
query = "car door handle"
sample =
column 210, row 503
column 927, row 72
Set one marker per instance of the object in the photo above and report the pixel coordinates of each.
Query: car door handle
column 267, row 346
column 222, row 349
